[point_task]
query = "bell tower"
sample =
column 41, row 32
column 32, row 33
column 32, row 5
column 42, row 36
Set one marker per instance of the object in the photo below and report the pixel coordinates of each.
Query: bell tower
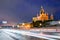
column 42, row 10
column 51, row 17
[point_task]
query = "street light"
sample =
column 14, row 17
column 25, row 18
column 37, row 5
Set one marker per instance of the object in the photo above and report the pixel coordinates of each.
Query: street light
column 59, row 22
column 40, row 24
column 18, row 26
column 23, row 23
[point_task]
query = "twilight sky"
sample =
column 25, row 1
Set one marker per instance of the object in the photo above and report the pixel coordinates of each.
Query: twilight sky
column 16, row 11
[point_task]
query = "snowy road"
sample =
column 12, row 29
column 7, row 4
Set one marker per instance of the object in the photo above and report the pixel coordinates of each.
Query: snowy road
column 10, row 34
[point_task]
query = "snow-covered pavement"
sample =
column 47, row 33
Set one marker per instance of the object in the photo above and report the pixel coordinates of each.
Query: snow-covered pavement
column 10, row 34
column 4, row 36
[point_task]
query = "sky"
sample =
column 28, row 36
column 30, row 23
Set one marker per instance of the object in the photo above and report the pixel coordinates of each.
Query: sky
column 17, row 11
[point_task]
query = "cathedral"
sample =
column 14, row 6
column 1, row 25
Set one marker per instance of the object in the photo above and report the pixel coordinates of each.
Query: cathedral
column 41, row 20
column 43, row 16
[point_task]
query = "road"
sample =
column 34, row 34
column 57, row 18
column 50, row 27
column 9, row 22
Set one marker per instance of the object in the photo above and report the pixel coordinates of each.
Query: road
column 10, row 34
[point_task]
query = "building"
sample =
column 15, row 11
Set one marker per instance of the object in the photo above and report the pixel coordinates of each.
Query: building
column 43, row 16
column 24, row 26
column 38, row 21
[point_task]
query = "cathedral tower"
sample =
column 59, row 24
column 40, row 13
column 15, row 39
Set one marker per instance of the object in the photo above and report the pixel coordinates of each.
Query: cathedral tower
column 42, row 16
column 51, row 17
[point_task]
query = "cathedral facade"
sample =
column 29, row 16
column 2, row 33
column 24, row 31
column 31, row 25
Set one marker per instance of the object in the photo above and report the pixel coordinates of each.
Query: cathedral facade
column 43, row 16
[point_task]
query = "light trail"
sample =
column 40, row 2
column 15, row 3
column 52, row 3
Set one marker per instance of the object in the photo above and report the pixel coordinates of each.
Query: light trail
column 22, row 32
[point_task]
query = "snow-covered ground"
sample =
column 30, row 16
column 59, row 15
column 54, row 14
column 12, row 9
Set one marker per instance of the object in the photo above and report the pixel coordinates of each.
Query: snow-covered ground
column 15, row 34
